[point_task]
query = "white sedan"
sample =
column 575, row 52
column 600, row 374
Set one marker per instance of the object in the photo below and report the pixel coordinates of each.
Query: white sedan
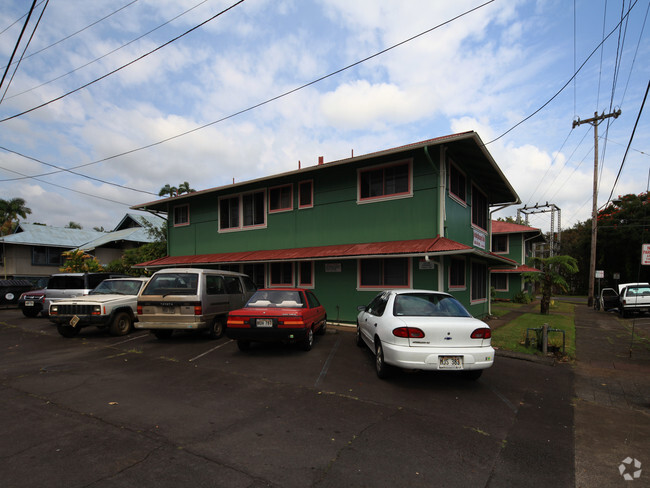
column 421, row 329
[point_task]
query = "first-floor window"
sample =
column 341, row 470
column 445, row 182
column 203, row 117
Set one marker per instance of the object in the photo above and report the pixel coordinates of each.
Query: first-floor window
column 457, row 273
column 479, row 281
column 282, row 274
column 306, row 274
column 46, row 256
column 499, row 281
column 391, row 272
column 256, row 273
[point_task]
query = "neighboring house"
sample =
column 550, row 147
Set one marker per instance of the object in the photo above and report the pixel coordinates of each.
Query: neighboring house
column 413, row 216
column 515, row 242
column 35, row 251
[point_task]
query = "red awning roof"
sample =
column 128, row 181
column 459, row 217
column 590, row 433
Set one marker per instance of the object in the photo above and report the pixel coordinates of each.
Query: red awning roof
column 438, row 245
column 501, row 227
column 519, row 269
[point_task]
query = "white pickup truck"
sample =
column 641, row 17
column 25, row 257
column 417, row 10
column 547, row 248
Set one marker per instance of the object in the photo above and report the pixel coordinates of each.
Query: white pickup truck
column 111, row 305
column 633, row 298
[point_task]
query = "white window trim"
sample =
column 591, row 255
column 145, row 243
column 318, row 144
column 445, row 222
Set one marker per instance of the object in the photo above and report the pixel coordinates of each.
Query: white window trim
column 241, row 226
column 383, row 198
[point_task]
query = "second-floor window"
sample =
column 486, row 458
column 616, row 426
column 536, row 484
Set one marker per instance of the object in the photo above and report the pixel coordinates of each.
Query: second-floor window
column 305, row 194
column 387, row 181
column 500, row 243
column 280, row 198
column 181, row 215
column 479, row 208
column 457, row 183
column 242, row 211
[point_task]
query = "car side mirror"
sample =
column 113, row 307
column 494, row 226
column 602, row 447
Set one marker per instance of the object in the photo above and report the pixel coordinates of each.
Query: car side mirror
column 361, row 308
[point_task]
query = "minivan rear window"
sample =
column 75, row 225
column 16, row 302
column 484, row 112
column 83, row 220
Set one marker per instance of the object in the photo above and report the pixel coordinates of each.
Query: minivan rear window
column 66, row 283
column 172, row 284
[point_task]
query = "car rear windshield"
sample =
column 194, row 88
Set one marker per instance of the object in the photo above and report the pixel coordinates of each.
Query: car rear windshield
column 66, row 283
column 638, row 291
column 428, row 305
column 172, row 284
column 276, row 298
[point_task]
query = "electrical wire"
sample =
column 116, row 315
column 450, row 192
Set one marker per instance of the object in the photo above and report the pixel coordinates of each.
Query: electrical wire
column 16, row 21
column 86, row 85
column 78, row 32
column 282, row 95
column 24, row 50
column 525, row 119
column 6, row 68
column 106, row 54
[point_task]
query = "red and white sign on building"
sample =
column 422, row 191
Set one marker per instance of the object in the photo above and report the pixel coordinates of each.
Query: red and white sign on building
column 645, row 255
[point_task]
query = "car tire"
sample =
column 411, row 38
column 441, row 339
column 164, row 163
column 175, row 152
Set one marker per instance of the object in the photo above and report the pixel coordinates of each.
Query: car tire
column 122, row 324
column 359, row 339
column 67, row 330
column 216, row 328
column 472, row 374
column 163, row 334
column 383, row 370
column 308, row 341
column 243, row 345
column 30, row 312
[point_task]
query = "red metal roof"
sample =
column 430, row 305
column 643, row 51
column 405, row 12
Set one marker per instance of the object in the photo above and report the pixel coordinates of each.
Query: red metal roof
column 501, row 227
column 519, row 269
column 415, row 246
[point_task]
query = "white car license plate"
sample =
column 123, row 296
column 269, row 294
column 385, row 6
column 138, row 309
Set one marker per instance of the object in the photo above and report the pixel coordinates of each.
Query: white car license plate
column 450, row 362
column 29, row 303
column 264, row 322
column 168, row 310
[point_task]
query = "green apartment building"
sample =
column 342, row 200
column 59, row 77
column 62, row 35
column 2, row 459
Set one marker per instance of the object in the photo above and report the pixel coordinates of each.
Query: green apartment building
column 416, row 216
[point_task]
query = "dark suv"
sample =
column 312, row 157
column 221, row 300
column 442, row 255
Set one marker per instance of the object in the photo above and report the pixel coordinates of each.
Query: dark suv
column 62, row 285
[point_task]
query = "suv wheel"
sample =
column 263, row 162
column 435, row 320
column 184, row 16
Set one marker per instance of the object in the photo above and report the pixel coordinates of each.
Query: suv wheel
column 30, row 312
column 121, row 324
column 216, row 328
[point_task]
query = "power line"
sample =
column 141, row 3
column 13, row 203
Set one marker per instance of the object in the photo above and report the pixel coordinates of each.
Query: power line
column 18, row 42
column 106, row 54
column 124, row 65
column 79, row 31
column 16, row 21
column 565, row 85
column 285, row 94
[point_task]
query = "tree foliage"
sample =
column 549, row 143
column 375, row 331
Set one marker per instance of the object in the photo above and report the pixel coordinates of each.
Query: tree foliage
column 623, row 226
column 553, row 275
column 174, row 191
column 77, row 261
column 10, row 210
column 147, row 252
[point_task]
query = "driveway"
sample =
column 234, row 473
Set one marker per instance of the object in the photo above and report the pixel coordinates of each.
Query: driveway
column 104, row 411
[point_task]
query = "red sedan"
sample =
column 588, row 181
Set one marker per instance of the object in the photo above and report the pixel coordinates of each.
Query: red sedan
column 278, row 314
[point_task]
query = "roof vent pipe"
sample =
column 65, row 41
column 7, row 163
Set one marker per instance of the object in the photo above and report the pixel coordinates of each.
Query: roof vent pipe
column 320, row 160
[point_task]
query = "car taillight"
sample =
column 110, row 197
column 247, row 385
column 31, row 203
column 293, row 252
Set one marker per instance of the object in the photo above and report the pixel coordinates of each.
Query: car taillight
column 482, row 333
column 139, row 310
column 408, row 332
column 198, row 310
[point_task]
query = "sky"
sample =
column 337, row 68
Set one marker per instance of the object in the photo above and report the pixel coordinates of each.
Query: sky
column 111, row 100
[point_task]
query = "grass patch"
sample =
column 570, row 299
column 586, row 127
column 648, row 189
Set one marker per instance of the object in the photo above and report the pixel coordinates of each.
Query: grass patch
column 499, row 309
column 512, row 336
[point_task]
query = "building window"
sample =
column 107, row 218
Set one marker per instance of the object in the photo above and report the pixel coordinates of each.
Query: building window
column 385, row 182
column 253, row 209
column 457, row 183
column 281, row 274
column 306, row 194
column 229, row 213
column 256, row 273
column 306, row 274
column 457, row 273
column 242, row 211
column 479, row 208
column 479, row 282
column 181, row 215
column 281, row 198
column 500, row 243
column 380, row 273
column 499, row 281
column 47, row 256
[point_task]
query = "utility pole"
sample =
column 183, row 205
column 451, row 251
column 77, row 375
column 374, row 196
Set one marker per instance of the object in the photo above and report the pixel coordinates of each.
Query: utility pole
column 595, row 120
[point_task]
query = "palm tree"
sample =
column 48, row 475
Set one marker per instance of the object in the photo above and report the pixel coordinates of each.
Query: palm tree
column 172, row 191
column 553, row 272
column 10, row 210
column 185, row 188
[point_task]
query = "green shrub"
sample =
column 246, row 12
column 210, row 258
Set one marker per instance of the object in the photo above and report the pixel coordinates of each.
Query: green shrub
column 522, row 297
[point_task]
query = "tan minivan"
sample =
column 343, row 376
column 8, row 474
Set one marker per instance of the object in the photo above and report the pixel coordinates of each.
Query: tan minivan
column 191, row 299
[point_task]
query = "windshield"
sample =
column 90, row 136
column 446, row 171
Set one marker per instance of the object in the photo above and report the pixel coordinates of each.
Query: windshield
column 276, row 298
column 172, row 284
column 638, row 291
column 117, row 287
column 428, row 305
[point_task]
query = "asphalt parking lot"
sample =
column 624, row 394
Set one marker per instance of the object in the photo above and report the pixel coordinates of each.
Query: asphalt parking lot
column 103, row 411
